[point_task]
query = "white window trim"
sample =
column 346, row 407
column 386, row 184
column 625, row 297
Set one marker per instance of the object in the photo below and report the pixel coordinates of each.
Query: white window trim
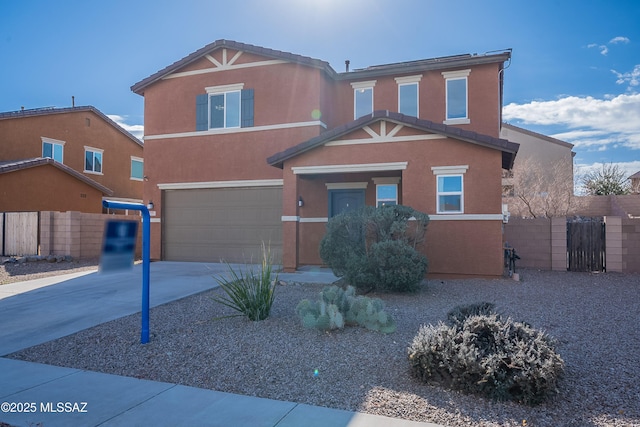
column 137, row 159
column 216, row 90
column 408, row 79
column 54, row 142
column 363, row 85
column 95, row 150
column 443, row 171
column 456, row 75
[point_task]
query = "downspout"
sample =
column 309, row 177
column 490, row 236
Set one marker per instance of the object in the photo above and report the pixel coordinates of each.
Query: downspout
column 501, row 92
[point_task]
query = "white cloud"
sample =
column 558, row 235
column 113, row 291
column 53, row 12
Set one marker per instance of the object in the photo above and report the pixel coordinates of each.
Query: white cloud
column 591, row 123
column 135, row 130
column 619, row 39
column 632, row 77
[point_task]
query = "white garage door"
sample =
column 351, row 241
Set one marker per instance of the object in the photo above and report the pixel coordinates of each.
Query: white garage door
column 230, row 224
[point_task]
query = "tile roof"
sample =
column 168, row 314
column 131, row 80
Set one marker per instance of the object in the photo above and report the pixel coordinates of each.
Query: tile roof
column 378, row 70
column 538, row 135
column 53, row 110
column 508, row 149
column 16, row 165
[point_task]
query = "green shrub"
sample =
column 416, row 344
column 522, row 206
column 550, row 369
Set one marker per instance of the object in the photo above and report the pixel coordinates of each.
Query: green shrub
column 398, row 266
column 338, row 307
column 499, row 359
column 375, row 248
column 250, row 292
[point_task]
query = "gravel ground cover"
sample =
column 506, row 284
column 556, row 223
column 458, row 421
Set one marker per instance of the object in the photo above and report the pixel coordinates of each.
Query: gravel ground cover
column 593, row 317
column 17, row 271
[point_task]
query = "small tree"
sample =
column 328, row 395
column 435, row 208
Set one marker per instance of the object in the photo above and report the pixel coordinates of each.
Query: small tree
column 610, row 180
column 541, row 191
column 376, row 248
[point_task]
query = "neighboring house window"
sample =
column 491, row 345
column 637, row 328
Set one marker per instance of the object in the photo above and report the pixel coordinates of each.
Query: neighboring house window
column 408, row 95
column 137, row 168
column 362, row 98
column 450, row 189
column 457, row 111
column 93, row 160
column 224, row 107
column 386, row 191
column 53, row 149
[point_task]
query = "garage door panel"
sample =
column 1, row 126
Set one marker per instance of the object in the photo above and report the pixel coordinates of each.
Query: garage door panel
column 208, row 225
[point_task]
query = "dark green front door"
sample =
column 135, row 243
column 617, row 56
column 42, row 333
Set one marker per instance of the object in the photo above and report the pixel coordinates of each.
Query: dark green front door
column 345, row 201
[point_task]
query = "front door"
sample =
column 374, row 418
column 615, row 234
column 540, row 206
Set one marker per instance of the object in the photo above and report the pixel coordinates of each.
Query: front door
column 345, row 201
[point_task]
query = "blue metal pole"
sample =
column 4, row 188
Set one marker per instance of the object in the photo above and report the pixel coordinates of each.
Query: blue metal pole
column 146, row 233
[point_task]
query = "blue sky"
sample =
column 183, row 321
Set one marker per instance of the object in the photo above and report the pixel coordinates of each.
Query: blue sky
column 575, row 70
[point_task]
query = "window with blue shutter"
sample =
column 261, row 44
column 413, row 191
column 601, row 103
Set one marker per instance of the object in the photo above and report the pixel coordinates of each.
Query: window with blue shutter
column 247, row 108
column 224, row 110
column 202, row 112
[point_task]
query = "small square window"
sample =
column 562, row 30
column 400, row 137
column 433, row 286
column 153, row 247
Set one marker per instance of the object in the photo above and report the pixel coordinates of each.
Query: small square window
column 386, row 194
column 137, row 169
column 53, row 151
column 92, row 161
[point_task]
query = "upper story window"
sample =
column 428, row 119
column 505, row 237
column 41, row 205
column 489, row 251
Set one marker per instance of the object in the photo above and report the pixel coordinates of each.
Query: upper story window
column 386, row 191
column 224, row 107
column 137, row 168
column 53, row 149
column 362, row 98
column 450, row 189
column 408, row 100
column 93, row 160
column 457, row 102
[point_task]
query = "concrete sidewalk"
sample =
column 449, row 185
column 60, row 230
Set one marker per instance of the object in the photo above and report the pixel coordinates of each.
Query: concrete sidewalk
column 38, row 311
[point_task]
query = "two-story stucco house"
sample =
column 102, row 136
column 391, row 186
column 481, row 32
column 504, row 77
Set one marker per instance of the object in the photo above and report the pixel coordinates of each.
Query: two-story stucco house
column 245, row 144
column 66, row 159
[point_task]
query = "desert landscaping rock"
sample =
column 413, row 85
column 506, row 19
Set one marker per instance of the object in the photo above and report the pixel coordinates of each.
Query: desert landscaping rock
column 593, row 317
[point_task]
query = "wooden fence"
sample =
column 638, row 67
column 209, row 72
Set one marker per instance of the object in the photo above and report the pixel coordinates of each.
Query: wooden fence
column 19, row 233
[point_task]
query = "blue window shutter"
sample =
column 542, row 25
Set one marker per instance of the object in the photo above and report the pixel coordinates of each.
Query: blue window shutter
column 246, row 97
column 202, row 122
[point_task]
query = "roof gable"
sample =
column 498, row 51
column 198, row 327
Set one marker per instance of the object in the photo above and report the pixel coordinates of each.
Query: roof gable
column 345, row 135
column 50, row 111
column 12, row 166
column 228, row 61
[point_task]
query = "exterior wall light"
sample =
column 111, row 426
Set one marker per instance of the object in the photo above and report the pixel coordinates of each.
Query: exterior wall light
column 300, row 202
column 150, row 205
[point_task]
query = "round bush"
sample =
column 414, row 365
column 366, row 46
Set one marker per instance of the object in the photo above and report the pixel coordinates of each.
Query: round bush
column 499, row 359
column 399, row 267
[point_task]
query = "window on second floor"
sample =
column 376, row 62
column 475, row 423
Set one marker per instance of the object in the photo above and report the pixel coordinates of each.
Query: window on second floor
column 53, row 149
column 362, row 98
column 457, row 111
column 224, row 107
column 137, row 168
column 408, row 99
column 93, row 160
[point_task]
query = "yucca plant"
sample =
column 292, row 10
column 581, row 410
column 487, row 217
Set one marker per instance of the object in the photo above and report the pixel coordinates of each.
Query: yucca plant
column 248, row 291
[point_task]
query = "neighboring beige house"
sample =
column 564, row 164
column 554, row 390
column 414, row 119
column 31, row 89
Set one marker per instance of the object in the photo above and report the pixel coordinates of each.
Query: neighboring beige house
column 541, row 181
column 635, row 183
column 66, row 159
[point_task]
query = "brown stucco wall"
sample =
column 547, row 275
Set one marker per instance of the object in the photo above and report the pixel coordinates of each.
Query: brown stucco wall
column 22, row 139
column 532, row 240
column 46, row 188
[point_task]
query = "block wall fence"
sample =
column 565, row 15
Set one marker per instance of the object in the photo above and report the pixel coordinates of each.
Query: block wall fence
column 541, row 243
column 77, row 234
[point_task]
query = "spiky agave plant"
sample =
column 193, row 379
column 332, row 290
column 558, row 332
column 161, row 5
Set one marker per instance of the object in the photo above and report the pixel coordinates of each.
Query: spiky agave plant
column 249, row 292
